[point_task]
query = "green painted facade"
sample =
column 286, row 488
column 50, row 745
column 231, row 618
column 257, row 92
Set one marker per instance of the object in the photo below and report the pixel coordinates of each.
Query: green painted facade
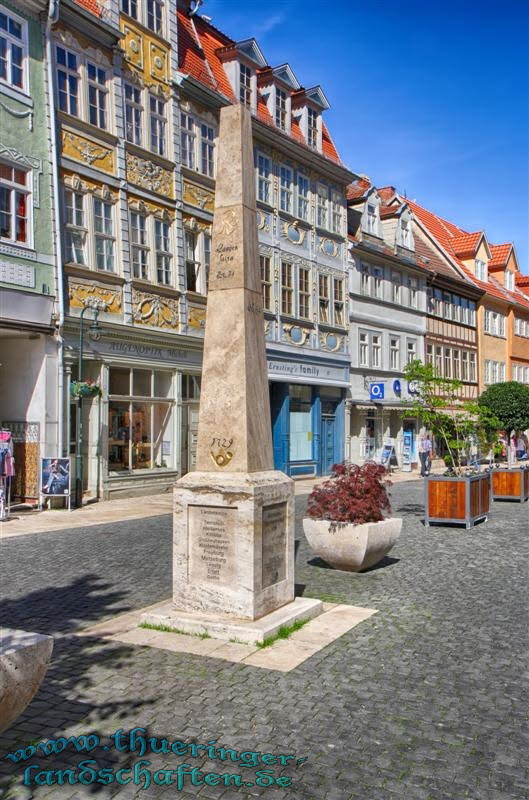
column 25, row 140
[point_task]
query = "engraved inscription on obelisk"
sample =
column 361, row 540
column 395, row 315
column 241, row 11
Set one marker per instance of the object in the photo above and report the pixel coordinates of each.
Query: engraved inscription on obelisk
column 212, row 550
column 274, row 544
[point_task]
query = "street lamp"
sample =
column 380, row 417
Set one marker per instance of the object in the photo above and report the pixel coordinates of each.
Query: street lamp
column 94, row 331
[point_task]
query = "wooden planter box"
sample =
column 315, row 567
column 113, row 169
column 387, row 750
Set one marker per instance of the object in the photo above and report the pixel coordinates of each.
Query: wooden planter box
column 510, row 484
column 462, row 500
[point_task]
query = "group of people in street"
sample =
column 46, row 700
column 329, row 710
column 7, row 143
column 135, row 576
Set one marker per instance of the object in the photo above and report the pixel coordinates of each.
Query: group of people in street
column 517, row 441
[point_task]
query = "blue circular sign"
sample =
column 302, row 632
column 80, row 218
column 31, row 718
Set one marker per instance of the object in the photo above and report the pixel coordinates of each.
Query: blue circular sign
column 396, row 386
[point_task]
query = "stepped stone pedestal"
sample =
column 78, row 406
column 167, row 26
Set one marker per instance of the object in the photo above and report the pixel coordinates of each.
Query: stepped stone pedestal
column 233, row 557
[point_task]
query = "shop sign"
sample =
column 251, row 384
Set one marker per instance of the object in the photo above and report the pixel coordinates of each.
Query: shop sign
column 376, row 391
column 312, row 373
column 147, row 352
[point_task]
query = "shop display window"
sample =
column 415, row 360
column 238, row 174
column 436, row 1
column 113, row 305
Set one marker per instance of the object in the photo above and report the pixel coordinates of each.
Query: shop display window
column 300, row 423
column 141, row 420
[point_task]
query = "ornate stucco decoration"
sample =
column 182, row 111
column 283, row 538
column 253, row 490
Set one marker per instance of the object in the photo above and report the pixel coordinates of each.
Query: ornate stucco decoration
column 158, row 62
column 196, row 196
column 193, row 224
column 197, row 317
column 295, row 334
column 132, row 45
column 34, row 164
column 332, row 342
column 149, row 175
column 263, row 221
column 20, row 114
column 292, row 232
column 81, row 149
column 154, row 310
column 87, row 185
column 158, row 211
column 329, row 247
column 82, row 293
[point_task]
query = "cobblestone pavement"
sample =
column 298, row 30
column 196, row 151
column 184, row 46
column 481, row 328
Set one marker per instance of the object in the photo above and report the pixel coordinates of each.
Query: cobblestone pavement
column 425, row 700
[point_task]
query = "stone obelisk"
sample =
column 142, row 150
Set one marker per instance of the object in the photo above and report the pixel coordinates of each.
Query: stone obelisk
column 233, row 541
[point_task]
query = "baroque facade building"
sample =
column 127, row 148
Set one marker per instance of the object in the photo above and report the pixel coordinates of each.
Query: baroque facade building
column 30, row 297
column 300, row 189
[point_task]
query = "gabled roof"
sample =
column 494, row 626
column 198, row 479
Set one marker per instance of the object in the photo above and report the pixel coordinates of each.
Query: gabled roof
column 358, row 189
column 466, row 245
column 500, row 254
column 201, row 51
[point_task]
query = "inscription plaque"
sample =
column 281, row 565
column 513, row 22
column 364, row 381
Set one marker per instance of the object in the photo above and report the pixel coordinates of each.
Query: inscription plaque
column 212, row 544
column 274, row 544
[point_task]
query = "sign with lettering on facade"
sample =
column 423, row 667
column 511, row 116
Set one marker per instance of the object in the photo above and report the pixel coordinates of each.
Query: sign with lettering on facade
column 376, row 391
column 138, row 350
column 310, row 373
column 413, row 387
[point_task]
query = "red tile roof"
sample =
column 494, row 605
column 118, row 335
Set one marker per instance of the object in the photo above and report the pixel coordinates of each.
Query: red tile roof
column 387, row 193
column 466, row 245
column 500, row 254
column 200, row 47
column 91, row 5
column 358, row 188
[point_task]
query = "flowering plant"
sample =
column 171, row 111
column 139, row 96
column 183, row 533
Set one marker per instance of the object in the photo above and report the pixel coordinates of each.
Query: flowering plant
column 88, row 388
column 353, row 494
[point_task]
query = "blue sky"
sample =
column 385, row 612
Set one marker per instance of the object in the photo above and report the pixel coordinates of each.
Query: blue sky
column 429, row 97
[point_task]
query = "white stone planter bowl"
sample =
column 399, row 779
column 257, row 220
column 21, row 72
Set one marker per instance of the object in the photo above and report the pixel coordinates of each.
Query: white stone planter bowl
column 24, row 659
column 352, row 547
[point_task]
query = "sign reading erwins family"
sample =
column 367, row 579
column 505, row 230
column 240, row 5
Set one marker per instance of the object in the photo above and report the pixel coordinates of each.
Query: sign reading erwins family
column 55, row 478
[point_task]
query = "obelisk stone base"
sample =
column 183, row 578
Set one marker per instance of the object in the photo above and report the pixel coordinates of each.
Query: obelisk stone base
column 233, row 543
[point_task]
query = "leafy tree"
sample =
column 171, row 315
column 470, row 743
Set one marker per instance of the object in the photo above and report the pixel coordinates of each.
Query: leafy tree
column 509, row 402
column 440, row 408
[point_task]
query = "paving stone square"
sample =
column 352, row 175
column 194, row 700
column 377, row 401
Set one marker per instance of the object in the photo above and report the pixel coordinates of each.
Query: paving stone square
column 425, row 700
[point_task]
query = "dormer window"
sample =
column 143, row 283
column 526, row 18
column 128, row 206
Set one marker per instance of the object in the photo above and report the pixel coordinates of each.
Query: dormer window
column 371, row 219
column 245, row 85
column 281, row 109
column 406, row 233
column 481, row 270
column 508, row 281
column 312, row 128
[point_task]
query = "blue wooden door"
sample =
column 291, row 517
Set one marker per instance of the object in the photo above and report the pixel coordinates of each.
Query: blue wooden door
column 327, row 444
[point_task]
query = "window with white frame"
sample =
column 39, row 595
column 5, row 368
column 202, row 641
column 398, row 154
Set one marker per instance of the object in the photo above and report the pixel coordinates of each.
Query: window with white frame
column 456, row 364
column 68, row 77
column 509, row 280
column 83, row 88
column 411, row 350
column 363, row 349
column 394, row 352
column 281, row 109
column 336, row 212
column 207, row 149
column 133, row 114
column 89, row 231
column 157, row 124
column 323, row 297
column 287, row 288
column 13, row 50
column 494, row 371
column 365, row 279
column 396, row 287
column 472, row 370
column 266, row 281
column 76, row 228
column 413, row 286
column 245, row 85
column 148, row 12
column 162, row 244
column 439, row 360
column 448, row 363
column 140, row 251
column 429, row 354
column 264, row 169
column 494, row 323
column 97, row 95
column 481, row 270
column 377, row 276
column 303, row 196
column 197, row 245
column 376, row 350
column 521, row 327
column 456, row 308
column 447, row 301
column 285, row 189
column 187, row 140
column 321, row 207
column 304, row 292
column 15, row 204
column 464, row 365
column 405, row 229
column 372, row 219
column 312, row 128
column 338, row 301
column 104, row 235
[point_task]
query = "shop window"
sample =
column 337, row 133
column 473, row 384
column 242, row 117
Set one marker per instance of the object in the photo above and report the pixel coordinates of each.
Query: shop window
column 141, row 421
column 191, row 387
column 300, row 423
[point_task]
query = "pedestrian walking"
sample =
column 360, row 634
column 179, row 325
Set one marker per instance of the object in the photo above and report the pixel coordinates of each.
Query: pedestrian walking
column 425, row 454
